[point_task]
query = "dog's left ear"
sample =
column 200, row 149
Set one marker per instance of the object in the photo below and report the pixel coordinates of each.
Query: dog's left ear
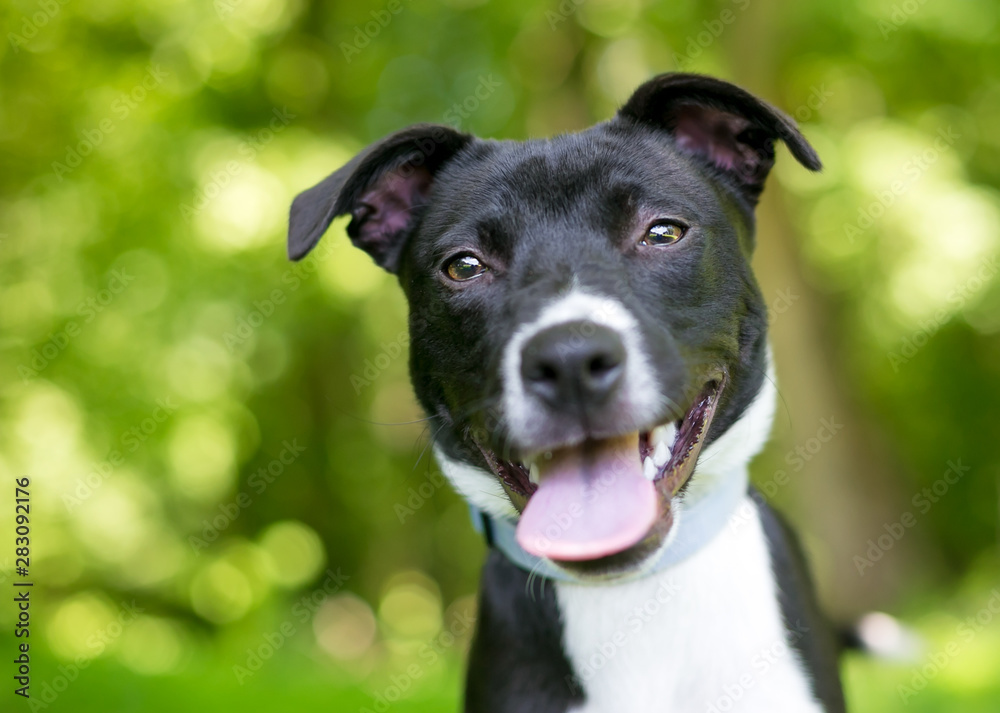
column 720, row 123
column 383, row 188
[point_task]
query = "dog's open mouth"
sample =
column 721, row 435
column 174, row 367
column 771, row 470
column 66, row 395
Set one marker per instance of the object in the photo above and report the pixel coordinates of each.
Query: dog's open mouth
column 601, row 497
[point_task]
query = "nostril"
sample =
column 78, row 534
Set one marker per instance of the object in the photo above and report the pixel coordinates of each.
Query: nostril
column 601, row 364
column 567, row 369
column 541, row 372
column 600, row 374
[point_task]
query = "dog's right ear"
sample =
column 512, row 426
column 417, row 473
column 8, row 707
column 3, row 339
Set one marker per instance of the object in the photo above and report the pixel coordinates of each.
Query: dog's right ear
column 721, row 124
column 383, row 188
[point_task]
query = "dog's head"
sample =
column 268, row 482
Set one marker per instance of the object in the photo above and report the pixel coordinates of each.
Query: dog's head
column 583, row 315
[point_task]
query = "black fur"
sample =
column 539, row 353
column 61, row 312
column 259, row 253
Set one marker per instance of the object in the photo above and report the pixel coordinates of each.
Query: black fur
column 545, row 212
column 545, row 215
column 412, row 155
column 517, row 662
column 748, row 125
column 811, row 634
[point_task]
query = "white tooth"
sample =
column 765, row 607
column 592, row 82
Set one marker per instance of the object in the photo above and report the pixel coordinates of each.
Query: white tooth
column 661, row 455
column 664, row 434
column 649, row 468
column 533, row 473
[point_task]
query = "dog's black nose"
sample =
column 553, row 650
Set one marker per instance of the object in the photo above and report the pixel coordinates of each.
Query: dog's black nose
column 573, row 364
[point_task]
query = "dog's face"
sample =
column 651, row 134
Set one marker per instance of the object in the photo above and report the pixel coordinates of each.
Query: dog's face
column 583, row 316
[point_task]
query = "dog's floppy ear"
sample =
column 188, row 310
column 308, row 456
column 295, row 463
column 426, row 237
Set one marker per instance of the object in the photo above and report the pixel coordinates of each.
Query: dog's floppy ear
column 720, row 123
column 383, row 188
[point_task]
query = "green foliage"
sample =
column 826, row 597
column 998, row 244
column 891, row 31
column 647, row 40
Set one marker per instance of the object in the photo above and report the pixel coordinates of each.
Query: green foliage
column 215, row 433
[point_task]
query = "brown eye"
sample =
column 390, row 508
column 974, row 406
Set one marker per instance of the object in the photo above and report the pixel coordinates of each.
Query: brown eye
column 664, row 232
column 464, row 268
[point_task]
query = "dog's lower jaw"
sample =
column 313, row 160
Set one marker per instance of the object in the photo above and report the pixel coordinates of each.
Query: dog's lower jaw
column 479, row 487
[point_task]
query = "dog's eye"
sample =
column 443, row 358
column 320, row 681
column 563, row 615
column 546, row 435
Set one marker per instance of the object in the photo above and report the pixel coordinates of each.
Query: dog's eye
column 465, row 267
column 664, row 232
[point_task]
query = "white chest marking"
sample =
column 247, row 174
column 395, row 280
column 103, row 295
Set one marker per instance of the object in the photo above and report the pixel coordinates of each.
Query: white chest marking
column 705, row 636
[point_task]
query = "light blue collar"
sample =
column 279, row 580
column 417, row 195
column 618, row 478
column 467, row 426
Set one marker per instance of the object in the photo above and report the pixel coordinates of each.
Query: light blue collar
column 695, row 525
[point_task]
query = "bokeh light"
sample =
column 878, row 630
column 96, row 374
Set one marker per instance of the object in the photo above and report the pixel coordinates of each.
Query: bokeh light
column 228, row 442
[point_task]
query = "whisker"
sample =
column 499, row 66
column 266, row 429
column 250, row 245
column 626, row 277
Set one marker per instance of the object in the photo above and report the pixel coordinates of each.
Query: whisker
column 427, row 444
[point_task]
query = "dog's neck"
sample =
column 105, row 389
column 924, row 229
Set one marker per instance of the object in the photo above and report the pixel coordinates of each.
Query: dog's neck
column 700, row 513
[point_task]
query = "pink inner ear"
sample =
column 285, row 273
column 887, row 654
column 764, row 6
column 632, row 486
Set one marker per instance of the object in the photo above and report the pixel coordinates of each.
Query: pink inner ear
column 712, row 133
column 391, row 201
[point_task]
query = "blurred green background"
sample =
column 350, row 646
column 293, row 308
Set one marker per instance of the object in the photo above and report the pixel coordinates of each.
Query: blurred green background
column 232, row 500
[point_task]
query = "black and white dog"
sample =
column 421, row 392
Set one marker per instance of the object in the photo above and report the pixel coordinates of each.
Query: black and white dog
column 590, row 343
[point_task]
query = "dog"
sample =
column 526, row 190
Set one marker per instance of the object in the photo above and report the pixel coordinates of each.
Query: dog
column 589, row 343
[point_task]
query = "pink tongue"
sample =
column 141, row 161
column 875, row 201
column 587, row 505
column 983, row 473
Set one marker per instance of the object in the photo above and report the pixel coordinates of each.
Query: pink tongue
column 591, row 502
